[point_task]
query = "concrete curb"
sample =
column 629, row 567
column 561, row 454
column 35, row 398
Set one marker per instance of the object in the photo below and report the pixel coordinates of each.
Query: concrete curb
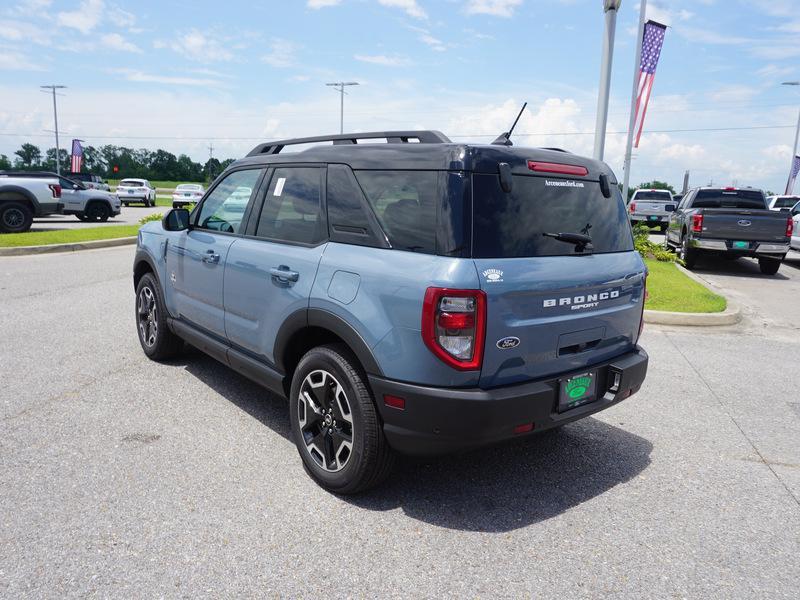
column 730, row 316
column 52, row 248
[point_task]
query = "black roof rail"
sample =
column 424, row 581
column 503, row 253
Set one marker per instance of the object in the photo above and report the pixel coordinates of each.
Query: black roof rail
column 558, row 150
column 423, row 136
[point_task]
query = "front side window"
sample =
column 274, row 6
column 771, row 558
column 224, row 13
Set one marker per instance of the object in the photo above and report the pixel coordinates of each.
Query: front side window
column 292, row 211
column 223, row 209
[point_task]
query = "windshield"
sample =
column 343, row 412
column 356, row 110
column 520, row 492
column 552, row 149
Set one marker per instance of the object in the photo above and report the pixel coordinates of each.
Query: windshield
column 729, row 199
column 514, row 224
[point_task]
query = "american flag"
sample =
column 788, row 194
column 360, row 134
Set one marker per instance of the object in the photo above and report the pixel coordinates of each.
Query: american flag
column 793, row 175
column 652, row 42
column 77, row 156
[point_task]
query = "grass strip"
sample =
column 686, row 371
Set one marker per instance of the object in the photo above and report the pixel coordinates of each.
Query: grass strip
column 67, row 236
column 670, row 290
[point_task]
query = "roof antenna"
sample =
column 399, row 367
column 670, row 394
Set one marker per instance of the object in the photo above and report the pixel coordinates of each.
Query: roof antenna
column 505, row 138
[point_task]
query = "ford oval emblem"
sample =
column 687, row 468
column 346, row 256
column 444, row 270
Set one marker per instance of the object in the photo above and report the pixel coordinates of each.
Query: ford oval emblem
column 745, row 223
column 508, row 342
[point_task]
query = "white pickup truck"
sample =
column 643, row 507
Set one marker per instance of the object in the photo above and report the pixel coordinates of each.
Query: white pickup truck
column 23, row 198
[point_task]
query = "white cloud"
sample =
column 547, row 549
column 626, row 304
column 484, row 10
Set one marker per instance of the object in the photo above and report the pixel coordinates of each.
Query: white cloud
column 708, row 36
column 496, row 8
column 778, row 152
column 282, row 53
column 142, row 77
column 11, row 60
column 410, row 6
column 121, row 18
column 667, row 16
column 424, row 35
column 733, row 93
column 386, row 61
column 115, row 41
column 18, row 31
column 85, row 18
column 772, row 70
column 200, row 46
column 777, row 50
column 322, row 3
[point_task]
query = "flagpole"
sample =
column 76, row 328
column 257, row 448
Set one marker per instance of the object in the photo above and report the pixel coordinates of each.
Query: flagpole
column 634, row 91
column 790, row 182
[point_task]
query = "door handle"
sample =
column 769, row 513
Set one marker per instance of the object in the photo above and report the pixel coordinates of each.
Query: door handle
column 211, row 257
column 284, row 274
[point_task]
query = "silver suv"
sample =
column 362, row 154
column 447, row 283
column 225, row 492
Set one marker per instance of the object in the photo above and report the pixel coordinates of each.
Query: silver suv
column 652, row 207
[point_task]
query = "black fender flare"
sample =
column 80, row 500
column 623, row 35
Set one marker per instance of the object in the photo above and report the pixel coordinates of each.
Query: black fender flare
column 27, row 194
column 323, row 319
column 142, row 256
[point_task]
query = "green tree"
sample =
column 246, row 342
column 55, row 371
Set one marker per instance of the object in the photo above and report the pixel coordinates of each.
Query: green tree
column 28, row 157
column 93, row 161
column 211, row 169
column 5, row 163
column 49, row 163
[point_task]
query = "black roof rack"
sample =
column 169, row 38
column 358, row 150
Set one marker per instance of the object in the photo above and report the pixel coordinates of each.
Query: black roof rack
column 423, row 136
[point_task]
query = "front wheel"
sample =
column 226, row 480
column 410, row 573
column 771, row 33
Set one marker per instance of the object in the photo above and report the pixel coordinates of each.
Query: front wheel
column 769, row 266
column 335, row 424
column 97, row 211
column 157, row 341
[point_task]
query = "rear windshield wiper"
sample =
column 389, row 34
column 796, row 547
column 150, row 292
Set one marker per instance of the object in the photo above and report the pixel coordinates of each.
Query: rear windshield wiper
column 582, row 242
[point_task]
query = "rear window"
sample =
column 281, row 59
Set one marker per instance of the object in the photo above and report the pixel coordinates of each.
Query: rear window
column 729, row 199
column 514, row 224
column 663, row 196
column 132, row 182
column 786, row 202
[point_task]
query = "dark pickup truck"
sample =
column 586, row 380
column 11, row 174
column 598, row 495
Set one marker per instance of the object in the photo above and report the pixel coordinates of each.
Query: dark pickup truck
column 730, row 221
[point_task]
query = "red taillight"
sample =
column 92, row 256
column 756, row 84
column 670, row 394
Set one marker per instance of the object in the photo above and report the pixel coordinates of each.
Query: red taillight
column 56, row 189
column 789, row 227
column 730, row 189
column 547, row 167
column 453, row 326
column 394, row 401
column 524, row 428
column 632, row 206
column 697, row 223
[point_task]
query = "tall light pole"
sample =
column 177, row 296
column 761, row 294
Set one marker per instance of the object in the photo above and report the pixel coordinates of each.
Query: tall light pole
column 610, row 8
column 634, row 93
column 794, row 149
column 340, row 85
column 53, row 88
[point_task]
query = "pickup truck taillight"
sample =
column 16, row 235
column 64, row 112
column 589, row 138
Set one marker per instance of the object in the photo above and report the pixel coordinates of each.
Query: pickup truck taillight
column 454, row 325
column 789, row 227
column 697, row 223
column 632, row 207
column 56, row 189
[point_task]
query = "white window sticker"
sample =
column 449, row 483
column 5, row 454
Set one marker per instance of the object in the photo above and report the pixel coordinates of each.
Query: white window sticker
column 279, row 186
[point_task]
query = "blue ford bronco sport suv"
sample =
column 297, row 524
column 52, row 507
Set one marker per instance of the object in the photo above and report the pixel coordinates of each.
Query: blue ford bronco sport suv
column 415, row 296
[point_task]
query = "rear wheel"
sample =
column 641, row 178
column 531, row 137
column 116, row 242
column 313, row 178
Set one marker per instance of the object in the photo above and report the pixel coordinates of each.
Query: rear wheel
column 769, row 266
column 157, row 341
column 15, row 217
column 335, row 424
column 688, row 254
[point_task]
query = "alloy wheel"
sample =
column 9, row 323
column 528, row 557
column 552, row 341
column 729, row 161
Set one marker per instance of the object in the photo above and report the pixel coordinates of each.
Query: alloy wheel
column 13, row 218
column 326, row 421
column 148, row 315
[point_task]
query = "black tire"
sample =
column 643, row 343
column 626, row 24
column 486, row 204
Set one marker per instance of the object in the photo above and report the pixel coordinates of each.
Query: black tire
column 97, row 211
column 343, row 393
column 82, row 217
column 688, row 255
column 125, row 204
column 15, row 217
column 769, row 266
column 158, row 342
column 663, row 229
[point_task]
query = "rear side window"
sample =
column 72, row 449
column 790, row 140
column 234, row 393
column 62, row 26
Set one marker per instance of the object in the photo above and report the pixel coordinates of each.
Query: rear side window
column 786, row 202
column 513, row 224
column 348, row 216
column 405, row 204
column 729, row 199
column 291, row 210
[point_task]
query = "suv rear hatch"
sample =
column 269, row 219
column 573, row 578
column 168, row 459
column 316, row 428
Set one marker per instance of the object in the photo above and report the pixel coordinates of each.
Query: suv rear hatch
column 739, row 215
column 550, row 307
column 652, row 202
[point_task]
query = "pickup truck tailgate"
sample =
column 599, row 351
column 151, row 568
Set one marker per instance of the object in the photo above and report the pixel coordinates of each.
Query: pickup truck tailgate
column 744, row 224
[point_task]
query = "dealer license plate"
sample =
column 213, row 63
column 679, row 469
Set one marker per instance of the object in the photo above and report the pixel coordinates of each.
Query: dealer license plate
column 577, row 390
column 741, row 245
column 654, row 217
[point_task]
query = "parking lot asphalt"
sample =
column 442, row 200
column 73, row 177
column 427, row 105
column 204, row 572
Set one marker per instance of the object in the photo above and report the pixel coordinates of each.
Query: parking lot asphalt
column 130, row 215
column 126, row 478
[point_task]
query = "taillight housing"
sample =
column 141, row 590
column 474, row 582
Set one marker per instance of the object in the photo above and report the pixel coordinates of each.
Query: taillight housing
column 56, row 189
column 789, row 227
column 645, row 295
column 697, row 223
column 454, row 326
column 547, row 167
column 632, row 206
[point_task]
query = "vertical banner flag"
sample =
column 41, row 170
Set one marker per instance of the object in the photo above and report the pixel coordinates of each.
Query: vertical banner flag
column 77, row 156
column 652, row 42
column 793, row 175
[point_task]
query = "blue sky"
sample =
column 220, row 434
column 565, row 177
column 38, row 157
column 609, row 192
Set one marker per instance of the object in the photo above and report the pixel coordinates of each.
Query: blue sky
column 181, row 75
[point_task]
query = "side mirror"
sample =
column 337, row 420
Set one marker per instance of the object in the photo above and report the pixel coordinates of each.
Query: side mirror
column 670, row 208
column 176, row 219
column 75, row 186
column 506, row 178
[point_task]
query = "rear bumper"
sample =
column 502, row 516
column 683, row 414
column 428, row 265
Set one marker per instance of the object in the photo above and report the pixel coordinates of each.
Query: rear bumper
column 443, row 420
column 50, row 208
column 753, row 248
column 663, row 219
